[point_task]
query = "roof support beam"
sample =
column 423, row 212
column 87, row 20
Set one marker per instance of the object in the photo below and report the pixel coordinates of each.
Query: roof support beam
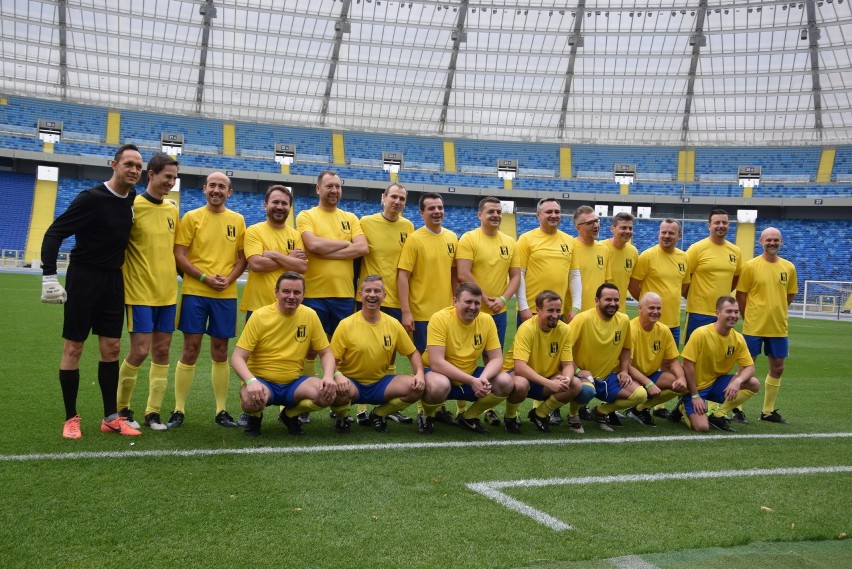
column 208, row 12
column 340, row 27
column 63, row 45
column 458, row 38
column 813, row 45
column 569, row 73
column 697, row 41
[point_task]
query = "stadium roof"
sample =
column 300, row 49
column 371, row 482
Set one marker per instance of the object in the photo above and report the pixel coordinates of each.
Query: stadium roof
column 668, row 72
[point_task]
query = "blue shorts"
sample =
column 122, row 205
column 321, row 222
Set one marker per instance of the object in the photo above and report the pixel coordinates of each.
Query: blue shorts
column 420, row 335
column 772, row 347
column 607, row 389
column 500, row 321
column 694, row 321
column 216, row 317
column 331, row 311
column 676, row 334
column 142, row 319
column 372, row 393
column 536, row 392
column 463, row 391
column 283, row 393
column 655, row 376
column 715, row 393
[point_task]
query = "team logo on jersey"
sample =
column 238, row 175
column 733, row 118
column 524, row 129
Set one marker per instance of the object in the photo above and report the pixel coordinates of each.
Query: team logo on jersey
column 451, row 250
column 681, row 268
column 504, row 252
column 477, row 341
column 231, row 233
column 617, row 339
column 301, row 333
column 600, row 261
column 730, row 352
column 554, row 348
column 387, row 342
column 732, row 259
column 345, row 228
column 566, row 250
column 783, row 276
column 657, row 346
column 402, row 237
column 628, row 265
column 291, row 244
column 171, row 223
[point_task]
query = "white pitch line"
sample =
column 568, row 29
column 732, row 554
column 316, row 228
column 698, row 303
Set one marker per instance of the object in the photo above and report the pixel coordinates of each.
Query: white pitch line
column 493, row 490
column 631, row 562
column 406, row 446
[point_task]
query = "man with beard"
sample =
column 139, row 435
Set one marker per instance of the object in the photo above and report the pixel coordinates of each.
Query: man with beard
column 708, row 359
column 602, row 344
column 765, row 290
column 209, row 253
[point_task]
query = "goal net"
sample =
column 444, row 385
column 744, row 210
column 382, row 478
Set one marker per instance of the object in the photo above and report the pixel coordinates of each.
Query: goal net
column 827, row 299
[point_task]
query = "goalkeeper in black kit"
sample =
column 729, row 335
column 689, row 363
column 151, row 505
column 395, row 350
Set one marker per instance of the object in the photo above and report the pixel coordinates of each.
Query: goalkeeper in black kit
column 100, row 218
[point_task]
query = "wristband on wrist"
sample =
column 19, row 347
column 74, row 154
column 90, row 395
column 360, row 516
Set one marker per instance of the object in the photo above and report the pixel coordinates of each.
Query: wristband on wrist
column 503, row 298
column 338, row 372
column 696, row 396
column 201, row 277
column 575, row 309
column 249, row 380
column 648, row 385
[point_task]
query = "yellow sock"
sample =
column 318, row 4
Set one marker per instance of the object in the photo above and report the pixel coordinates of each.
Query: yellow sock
column 310, row 368
column 341, row 412
column 220, row 377
column 482, row 405
column 158, row 380
column 430, row 410
column 574, row 409
column 664, row 396
column 536, row 403
column 512, row 410
column 420, row 408
column 303, row 406
column 361, row 408
column 638, row 396
column 743, row 396
column 392, row 406
column 548, row 405
column 126, row 383
column 184, row 374
column 461, row 406
column 771, row 386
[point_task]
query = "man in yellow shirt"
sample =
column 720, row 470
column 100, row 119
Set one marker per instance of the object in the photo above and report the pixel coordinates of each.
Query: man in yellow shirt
column 458, row 336
column 365, row 346
column 592, row 255
column 765, row 289
column 150, row 290
column 622, row 254
column 209, row 252
column 271, row 248
column 654, row 360
column 602, row 344
column 541, row 364
column 708, row 360
column 269, row 359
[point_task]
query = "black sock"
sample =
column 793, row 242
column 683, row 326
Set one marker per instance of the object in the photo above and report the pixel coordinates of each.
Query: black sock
column 69, row 381
column 108, row 380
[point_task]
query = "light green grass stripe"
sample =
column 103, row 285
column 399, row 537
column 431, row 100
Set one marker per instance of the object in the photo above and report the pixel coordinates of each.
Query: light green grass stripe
column 405, row 446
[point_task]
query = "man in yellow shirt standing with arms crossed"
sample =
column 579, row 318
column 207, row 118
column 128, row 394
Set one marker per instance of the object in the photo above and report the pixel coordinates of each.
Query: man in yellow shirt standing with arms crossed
column 765, row 290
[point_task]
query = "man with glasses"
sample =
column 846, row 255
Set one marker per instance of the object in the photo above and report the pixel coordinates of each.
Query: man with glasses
column 592, row 255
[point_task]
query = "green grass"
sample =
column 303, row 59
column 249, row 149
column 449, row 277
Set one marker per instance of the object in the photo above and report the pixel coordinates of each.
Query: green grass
column 407, row 507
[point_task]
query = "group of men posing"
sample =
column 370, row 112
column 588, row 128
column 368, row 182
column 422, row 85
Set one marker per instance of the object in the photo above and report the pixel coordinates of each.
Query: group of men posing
column 425, row 294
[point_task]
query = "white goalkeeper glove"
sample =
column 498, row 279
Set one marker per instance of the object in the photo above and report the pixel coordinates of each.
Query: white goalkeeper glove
column 51, row 291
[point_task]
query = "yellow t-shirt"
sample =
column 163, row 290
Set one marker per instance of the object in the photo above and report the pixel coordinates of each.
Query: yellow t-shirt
column 547, row 259
column 767, row 285
column 714, row 354
column 279, row 343
column 651, row 348
column 663, row 273
column 463, row 343
column 385, row 239
column 213, row 240
column 597, row 343
column 593, row 261
column 260, row 237
column 150, row 273
column 491, row 257
column 621, row 264
column 430, row 259
column 329, row 278
column 365, row 351
column 712, row 268
column 543, row 351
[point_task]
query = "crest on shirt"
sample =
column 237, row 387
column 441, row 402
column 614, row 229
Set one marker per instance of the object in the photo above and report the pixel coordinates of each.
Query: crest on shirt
column 402, row 237
column 657, row 346
column 171, row 223
column 681, row 268
column 600, row 261
column 451, row 250
column 291, row 244
column 628, row 265
column 730, row 352
column 477, row 341
column 231, row 233
column 617, row 339
column 387, row 342
column 732, row 259
column 301, row 333
column 783, row 276
column 554, row 348
column 566, row 250
column 344, row 227
column 504, row 252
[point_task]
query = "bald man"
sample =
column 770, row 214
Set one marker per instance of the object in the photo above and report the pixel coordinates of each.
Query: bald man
column 765, row 289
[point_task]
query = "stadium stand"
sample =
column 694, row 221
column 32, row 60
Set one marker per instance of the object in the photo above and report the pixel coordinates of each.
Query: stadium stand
column 16, row 205
column 798, row 161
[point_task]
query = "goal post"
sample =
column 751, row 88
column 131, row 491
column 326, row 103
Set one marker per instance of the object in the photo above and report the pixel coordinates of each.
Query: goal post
column 827, row 299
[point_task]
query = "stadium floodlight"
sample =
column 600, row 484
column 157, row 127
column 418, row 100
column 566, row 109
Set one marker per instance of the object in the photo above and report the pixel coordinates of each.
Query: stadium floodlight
column 392, row 162
column 507, row 169
column 171, row 144
column 49, row 131
column 285, row 153
column 624, row 173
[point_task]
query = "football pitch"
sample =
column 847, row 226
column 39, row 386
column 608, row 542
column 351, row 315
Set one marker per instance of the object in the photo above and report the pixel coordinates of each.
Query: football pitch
column 205, row 496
